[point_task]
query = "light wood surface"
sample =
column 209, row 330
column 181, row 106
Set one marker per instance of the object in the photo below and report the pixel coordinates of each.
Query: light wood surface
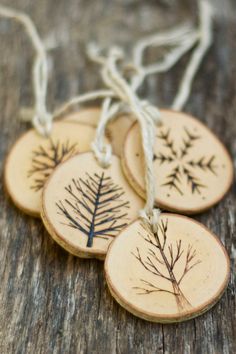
column 33, row 158
column 116, row 130
column 172, row 275
column 85, row 206
column 193, row 170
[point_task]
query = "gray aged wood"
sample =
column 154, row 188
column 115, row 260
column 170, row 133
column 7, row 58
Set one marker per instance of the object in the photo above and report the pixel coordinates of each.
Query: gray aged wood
column 52, row 302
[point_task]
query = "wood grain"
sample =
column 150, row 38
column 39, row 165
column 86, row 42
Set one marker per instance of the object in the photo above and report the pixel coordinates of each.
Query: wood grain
column 172, row 275
column 52, row 302
column 193, row 170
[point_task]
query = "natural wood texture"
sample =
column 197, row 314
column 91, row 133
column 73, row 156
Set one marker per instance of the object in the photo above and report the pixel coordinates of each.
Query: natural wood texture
column 85, row 206
column 116, row 130
column 52, row 302
column 172, row 274
column 34, row 157
column 193, row 170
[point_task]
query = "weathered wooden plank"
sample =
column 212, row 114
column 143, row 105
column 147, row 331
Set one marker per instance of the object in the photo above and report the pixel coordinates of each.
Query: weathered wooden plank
column 52, row 302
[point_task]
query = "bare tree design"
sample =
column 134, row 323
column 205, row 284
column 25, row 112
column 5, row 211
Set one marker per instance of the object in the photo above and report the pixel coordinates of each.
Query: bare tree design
column 182, row 167
column 95, row 206
column 45, row 159
column 160, row 259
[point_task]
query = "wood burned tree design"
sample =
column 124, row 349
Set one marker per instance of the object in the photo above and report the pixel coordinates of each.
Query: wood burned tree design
column 46, row 158
column 160, row 259
column 95, row 206
column 183, row 167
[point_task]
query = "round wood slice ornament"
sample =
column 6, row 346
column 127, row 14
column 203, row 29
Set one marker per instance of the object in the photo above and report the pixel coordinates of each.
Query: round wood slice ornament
column 85, row 206
column 33, row 157
column 172, row 275
column 192, row 167
column 116, row 130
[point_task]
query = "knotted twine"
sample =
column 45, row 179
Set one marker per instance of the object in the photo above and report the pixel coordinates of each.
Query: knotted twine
column 146, row 114
column 183, row 37
column 123, row 91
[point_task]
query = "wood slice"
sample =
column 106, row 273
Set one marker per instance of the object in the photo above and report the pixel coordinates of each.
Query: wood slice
column 88, row 116
column 33, row 158
column 116, row 130
column 193, row 169
column 173, row 275
column 85, row 206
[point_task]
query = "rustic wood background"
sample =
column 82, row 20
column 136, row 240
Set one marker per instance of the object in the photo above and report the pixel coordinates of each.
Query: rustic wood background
column 52, row 302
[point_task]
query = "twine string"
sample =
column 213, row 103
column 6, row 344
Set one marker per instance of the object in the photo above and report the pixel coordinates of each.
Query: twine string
column 42, row 119
column 205, row 40
column 121, row 93
column 182, row 38
column 146, row 114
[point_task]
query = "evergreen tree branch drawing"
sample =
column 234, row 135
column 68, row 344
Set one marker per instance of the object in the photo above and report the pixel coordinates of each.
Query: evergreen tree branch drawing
column 183, row 168
column 160, row 259
column 95, row 206
column 45, row 159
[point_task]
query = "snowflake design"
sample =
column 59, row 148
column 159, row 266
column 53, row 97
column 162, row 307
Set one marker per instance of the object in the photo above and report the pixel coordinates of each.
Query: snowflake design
column 183, row 167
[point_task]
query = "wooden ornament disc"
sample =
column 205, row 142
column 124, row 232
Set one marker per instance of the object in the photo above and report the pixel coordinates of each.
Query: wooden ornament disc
column 193, row 169
column 33, row 158
column 84, row 206
column 172, row 276
column 116, row 130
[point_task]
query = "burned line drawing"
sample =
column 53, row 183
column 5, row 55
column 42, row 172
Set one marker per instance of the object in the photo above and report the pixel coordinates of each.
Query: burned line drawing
column 46, row 158
column 160, row 259
column 95, row 206
column 183, row 167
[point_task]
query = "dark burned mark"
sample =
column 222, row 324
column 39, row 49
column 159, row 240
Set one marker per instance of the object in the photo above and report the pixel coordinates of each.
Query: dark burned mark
column 183, row 168
column 161, row 259
column 109, row 134
column 203, row 164
column 45, row 159
column 95, row 207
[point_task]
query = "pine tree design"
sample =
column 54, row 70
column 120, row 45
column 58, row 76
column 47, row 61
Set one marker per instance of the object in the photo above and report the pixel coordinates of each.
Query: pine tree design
column 45, row 159
column 183, row 167
column 95, row 206
column 160, row 259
